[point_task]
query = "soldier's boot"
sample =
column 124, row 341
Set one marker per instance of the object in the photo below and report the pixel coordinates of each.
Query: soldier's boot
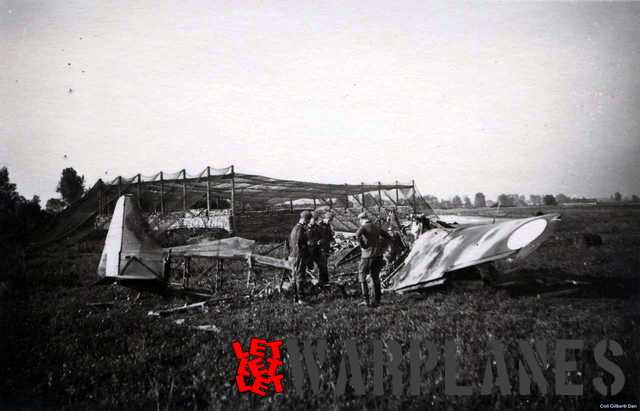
column 299, row 292
column 323, row 270
column 295, row 290
column 376, row 293
column 365, row 292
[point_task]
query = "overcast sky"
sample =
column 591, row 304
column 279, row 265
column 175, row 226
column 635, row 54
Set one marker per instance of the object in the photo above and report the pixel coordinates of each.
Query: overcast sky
column 462, row 97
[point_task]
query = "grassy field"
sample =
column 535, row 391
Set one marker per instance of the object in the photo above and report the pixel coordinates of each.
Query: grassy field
column 59, row 351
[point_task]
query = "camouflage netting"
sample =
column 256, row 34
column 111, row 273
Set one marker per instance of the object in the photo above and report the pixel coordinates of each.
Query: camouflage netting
column 182, row 190
column 163, row 193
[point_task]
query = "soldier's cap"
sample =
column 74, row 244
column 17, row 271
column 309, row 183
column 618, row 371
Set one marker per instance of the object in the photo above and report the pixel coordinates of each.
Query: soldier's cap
column 363, row 216
column 306, row 214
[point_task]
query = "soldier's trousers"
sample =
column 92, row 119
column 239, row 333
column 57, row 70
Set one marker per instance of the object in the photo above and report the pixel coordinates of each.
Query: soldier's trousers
column 319, row 257
column 370, row 269
column 322, row 257
column 299, row 264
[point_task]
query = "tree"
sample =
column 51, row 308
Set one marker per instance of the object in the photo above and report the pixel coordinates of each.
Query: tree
column 535, row 200
column 71, row 185
column 467, row 202
column 431, row 200
column 5, row 184
column 549, row 200
column 456, row 202
column 30, row 212
column 18, row 216
column 55, row 205
column 8, row 196
column 9, row 199
column 617, row 196
column 480, row 201
column 18, row 219
column 635, row 198
column 561, row 198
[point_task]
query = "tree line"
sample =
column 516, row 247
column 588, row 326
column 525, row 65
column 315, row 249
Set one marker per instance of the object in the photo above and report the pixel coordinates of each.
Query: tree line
column 19, row 216
column 518, row 200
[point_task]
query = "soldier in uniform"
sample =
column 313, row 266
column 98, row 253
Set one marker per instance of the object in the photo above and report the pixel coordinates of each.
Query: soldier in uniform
column 373, row 241
column 299, row 254
column 313, row 240
column 324, row 246
column 394, row 248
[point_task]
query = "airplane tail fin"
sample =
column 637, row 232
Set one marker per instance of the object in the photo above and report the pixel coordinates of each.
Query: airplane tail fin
column 130, row 253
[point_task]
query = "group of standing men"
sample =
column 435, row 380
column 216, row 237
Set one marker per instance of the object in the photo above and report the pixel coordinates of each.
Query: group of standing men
column 310, row 243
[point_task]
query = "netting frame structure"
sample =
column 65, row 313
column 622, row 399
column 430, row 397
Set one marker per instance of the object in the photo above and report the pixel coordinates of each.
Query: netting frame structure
column 216, row 190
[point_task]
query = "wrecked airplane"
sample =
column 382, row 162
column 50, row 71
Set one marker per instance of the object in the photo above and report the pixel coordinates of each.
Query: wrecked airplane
column 132, row 257
column 447, row 249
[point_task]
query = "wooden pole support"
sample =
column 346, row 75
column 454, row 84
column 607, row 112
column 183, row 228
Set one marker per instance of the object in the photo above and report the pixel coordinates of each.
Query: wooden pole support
column 161, row 193
column 184, row 190
column 99, row 211
column 413, row 195
column 379, row 198
column 397, row 195
column 346, row 198
column 139, row 191
column 233, row 200
column 208, row 190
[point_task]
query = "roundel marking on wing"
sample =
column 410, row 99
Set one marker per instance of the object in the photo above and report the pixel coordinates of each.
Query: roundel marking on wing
column 526, row 234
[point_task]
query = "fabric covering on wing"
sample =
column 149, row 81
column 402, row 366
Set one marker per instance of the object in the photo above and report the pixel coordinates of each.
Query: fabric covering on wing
column 233, row 247
column 439, row 251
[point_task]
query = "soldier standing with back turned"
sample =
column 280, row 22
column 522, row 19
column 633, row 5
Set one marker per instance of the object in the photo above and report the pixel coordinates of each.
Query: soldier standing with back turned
column 373, row 241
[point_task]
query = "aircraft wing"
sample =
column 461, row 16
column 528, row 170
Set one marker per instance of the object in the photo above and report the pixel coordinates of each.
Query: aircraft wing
column 234, row 247
column 439, row 251
column 131, row 254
